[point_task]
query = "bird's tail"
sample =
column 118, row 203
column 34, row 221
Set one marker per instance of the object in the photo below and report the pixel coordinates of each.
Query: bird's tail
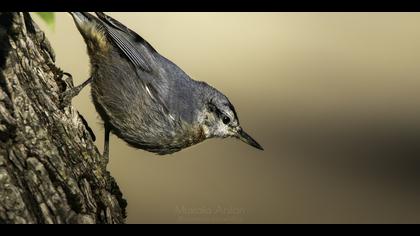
column 81, row 18
column 91, row 28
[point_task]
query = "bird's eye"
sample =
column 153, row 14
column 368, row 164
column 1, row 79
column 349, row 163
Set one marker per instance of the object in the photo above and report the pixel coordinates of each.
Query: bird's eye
column 226, row 120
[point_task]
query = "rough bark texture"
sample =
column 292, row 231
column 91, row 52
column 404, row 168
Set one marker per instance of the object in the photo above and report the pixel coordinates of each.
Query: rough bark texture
column 50, row 169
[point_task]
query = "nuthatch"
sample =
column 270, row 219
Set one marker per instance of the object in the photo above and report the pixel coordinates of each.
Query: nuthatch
column 144, row 98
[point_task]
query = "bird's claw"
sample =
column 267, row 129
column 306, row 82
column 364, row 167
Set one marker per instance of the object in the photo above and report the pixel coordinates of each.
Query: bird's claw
column 67, row 96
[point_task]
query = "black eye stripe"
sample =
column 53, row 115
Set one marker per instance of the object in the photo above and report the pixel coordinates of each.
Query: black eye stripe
column 233, row 110
column 221, row 115
column 216, row 110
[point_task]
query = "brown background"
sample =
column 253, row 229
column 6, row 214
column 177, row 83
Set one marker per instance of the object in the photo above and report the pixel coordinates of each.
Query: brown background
column 332, row 97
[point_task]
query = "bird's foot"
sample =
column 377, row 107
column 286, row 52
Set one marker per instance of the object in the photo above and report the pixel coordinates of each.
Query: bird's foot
column 68, row 95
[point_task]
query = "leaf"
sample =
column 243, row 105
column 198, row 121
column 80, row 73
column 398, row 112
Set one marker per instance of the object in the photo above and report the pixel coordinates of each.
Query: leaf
column 48, row 17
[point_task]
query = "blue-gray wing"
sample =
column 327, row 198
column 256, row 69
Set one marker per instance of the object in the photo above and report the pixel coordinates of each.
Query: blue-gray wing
column 137, row 50
column 140, row 53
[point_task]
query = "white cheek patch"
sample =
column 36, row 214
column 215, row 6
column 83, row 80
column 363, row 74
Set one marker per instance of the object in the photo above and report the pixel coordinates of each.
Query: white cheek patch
column 213, row 127
column 221, row 129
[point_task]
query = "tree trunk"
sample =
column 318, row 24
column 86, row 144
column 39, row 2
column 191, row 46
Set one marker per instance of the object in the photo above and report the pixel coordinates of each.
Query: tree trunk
column 50, row 169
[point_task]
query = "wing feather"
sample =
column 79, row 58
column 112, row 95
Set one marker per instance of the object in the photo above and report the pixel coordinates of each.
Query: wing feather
column 120, row 35
column 125, row 39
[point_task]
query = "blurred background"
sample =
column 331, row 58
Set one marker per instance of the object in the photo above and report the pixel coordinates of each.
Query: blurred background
column 333, row 98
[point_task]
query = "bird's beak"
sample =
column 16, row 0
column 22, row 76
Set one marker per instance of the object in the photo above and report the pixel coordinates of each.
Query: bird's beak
column 242, row 135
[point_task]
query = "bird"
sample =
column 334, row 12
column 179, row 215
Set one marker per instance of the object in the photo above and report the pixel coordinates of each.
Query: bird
column 144, row 98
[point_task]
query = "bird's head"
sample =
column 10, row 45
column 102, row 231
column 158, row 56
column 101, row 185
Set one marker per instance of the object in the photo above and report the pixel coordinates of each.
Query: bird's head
column 218, row 118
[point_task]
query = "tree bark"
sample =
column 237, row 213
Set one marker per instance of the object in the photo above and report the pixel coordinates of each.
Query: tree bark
column 50, row 168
